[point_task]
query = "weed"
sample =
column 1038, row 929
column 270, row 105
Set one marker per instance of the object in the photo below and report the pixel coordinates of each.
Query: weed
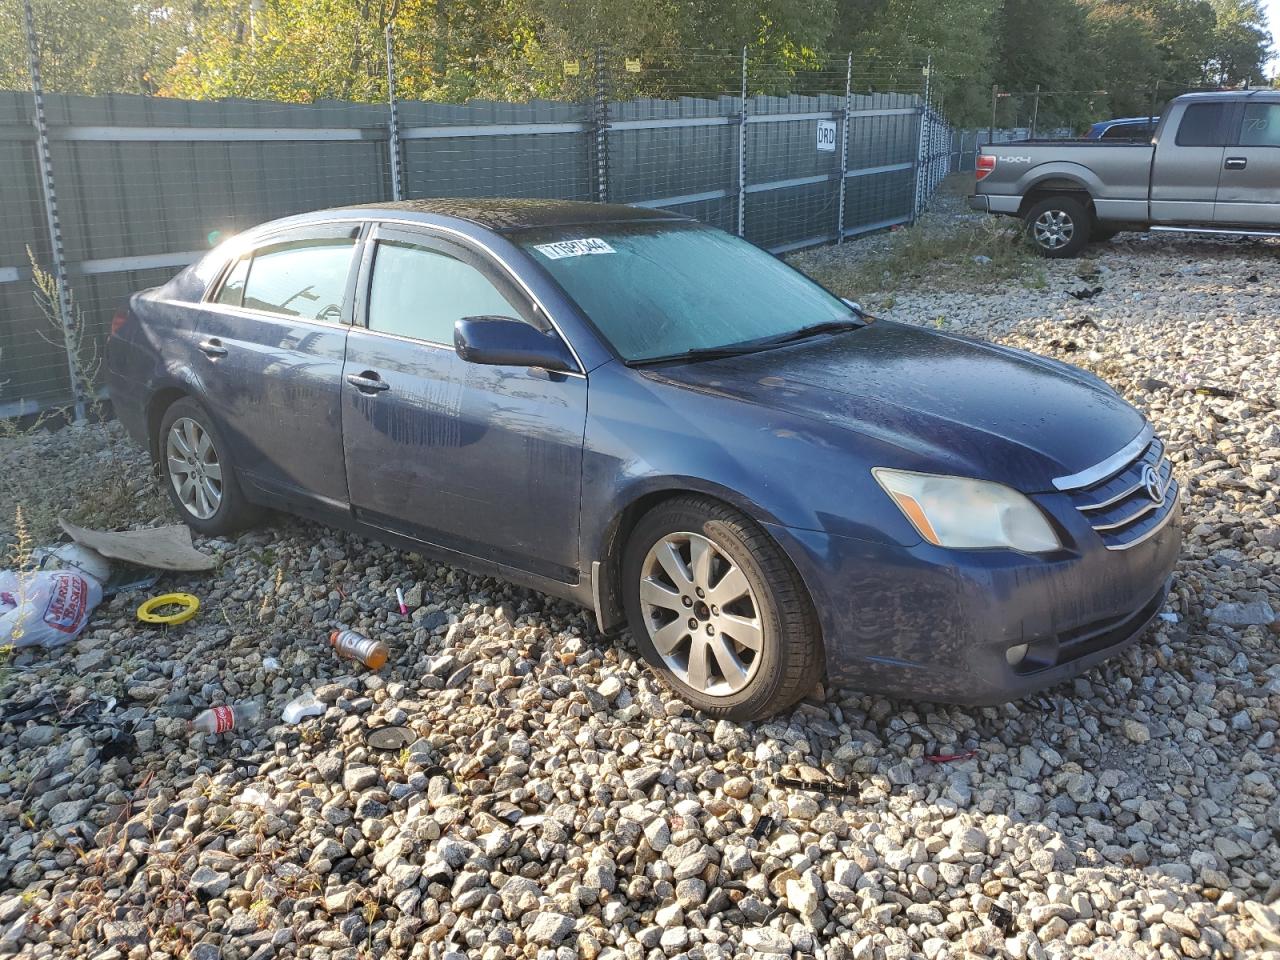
column 961, row 255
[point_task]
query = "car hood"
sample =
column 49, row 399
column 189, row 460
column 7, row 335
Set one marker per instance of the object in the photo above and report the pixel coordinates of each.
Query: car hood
column 947, row 403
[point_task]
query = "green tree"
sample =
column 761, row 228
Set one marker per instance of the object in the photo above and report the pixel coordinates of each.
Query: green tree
column 94, row 46
column 1241, row 43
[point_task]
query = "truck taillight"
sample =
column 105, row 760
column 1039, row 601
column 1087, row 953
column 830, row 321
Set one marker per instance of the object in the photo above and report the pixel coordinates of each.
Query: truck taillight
column 118, row 320
column 985, row 165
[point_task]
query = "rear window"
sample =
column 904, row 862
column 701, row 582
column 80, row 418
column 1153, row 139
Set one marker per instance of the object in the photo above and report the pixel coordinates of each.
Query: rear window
column 304, row 278
column 1128, row 131
column 1203, row 126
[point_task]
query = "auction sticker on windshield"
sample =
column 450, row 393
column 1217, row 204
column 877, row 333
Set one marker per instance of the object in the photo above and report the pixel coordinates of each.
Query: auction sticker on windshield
column 573, row 248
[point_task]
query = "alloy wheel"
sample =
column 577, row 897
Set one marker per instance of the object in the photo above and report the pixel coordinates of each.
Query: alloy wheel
column 194, row 468
column 1054, row 229
column 701, row 613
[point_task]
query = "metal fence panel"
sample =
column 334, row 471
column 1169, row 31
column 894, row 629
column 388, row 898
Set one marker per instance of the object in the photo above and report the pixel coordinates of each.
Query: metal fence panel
column 146, row 184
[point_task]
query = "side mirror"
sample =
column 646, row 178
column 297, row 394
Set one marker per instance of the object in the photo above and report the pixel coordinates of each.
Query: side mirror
column 504, row 342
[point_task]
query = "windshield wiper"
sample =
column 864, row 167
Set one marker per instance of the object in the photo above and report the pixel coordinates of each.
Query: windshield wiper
column 752, row 346
column 736, row 350
column 701, row 353
column 813, row 330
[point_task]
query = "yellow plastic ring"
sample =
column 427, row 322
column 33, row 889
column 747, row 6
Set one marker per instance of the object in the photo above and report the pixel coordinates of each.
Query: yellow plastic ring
column 188, row 603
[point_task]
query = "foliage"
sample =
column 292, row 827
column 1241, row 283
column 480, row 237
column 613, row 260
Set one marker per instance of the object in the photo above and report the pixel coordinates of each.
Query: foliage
column 1090, row 58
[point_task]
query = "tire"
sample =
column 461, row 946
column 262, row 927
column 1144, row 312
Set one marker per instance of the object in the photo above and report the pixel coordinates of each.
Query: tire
column 776, row 656
column 1058, row 227
column 211, row 501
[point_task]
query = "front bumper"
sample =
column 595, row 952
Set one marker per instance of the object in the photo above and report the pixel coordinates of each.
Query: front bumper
column 926, row 623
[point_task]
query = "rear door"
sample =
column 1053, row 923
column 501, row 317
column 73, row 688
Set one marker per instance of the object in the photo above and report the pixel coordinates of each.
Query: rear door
column 269, row 350
column 1188, row 164
column 482, row 460
column 1249, row 191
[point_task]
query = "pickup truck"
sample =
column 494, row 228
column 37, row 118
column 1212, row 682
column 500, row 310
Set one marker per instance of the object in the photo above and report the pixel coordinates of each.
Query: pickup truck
column 1213, row 166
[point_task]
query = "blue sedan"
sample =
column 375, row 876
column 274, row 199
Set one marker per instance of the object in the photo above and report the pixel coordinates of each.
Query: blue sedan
column 663, row 423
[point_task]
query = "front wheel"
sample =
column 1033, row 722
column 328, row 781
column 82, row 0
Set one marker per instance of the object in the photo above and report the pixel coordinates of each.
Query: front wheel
column 1058, row 226
column 718, row 610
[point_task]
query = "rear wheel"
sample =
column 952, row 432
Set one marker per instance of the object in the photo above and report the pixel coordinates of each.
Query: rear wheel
column 1058, row 226
column 198, row 471
column 719, row 611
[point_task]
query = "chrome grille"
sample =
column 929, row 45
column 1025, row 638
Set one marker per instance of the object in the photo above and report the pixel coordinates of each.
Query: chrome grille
column 1132, row 502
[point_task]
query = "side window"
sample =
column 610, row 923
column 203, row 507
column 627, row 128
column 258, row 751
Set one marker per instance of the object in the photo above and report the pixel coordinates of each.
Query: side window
column 1202, row 126
column 232, row 289
column 421, row 293
column 1260, row 126
column 301, row 278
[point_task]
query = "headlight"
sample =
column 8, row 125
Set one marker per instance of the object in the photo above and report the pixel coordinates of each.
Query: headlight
column 968, row 514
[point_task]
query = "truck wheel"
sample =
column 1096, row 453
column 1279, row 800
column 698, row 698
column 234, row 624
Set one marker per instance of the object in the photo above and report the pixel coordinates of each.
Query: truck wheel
column 1058, row 226
column 718, row 610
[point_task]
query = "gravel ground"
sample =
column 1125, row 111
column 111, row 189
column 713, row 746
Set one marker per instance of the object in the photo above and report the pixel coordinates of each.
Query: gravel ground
column 555, row 804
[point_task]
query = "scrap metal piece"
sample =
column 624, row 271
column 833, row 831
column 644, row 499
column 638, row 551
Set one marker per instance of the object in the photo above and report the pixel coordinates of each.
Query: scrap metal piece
column 157, row 548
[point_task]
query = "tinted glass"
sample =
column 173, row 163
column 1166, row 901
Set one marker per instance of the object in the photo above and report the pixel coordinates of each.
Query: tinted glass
column 1201, row 126
column 1261, row 125
column 422, row 293
column 304, row 278
column 1128, row 131
column 232, row 290
column 659, row 289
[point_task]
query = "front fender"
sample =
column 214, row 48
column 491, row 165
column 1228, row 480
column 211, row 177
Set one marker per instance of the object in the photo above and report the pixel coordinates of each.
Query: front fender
column 645, row 439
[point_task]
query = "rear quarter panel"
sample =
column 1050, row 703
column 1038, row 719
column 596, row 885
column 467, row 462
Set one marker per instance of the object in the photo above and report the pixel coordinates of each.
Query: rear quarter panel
column 1116, row 175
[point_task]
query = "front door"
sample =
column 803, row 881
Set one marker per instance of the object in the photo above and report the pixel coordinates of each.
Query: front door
column 481, row 460
column 1249, row 191
column 1188, row 163
column 269, row 343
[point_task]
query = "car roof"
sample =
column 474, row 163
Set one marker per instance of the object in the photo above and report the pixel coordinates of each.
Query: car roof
column 509, row 214
column 1262, row 92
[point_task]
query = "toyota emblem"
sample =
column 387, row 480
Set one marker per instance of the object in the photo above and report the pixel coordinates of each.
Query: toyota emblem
column 1151, row 482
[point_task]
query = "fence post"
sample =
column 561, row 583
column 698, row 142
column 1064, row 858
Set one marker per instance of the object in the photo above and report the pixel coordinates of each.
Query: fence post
column 991, row 130
column 64, row 306
column 844, row 146
column 600, row 122
column 1035, row 113
column 742, row 152
column 393, row 124
column 922, row 144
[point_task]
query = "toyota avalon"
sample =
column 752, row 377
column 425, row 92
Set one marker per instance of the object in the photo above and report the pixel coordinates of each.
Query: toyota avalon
column 660, row 421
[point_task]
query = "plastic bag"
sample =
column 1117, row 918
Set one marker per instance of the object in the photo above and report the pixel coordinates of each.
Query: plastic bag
column 45, row 608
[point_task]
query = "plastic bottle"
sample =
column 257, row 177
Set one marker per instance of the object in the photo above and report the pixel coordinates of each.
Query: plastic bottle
column 356, row 646
column 222, row 718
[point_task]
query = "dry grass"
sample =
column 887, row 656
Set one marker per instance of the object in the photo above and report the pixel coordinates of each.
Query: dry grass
column 942, row 250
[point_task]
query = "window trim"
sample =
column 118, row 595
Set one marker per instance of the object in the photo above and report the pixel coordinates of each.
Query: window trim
column 418, row 231
column 522, row 307
column 364, row 227
column 316, row 231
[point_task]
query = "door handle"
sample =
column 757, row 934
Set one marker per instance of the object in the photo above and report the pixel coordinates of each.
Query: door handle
column 367, row 382
column 213, row 347
column 1236, row 163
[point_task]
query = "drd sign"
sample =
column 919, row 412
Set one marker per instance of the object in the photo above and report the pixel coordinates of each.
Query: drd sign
column 827, row 135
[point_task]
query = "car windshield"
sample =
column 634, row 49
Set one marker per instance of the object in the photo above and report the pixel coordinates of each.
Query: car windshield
column 667, row 289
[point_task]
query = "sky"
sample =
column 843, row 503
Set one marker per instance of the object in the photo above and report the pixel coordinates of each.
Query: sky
column 1273, row 20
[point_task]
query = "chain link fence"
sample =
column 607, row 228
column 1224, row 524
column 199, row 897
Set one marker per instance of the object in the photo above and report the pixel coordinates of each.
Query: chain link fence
column 102, row 196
